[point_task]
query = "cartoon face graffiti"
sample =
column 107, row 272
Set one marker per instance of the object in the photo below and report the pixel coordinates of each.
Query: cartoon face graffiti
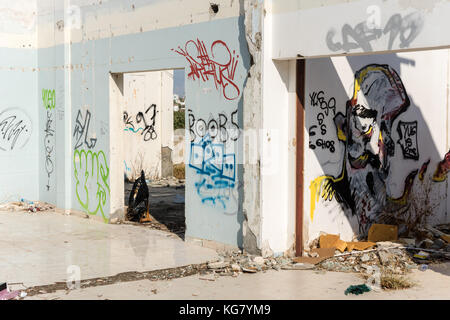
column 378, row 98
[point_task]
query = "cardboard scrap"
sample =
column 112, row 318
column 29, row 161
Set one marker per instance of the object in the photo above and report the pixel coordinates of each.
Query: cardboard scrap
column 382, row 232
column 333, row 241
column 446, row 237
column 328, row 241
column 324, row 253
column 359, row 246
column 341, row 245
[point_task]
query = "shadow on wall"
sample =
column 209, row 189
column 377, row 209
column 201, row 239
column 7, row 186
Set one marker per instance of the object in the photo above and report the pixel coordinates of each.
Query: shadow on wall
column 379, row 161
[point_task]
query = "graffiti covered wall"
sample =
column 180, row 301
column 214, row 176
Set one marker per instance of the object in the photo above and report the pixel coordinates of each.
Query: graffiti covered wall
column 77, row 57
column 377, row 142
column 148, row 121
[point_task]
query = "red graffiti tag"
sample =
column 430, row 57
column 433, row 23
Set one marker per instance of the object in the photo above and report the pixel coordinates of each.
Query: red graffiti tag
column 220, row 64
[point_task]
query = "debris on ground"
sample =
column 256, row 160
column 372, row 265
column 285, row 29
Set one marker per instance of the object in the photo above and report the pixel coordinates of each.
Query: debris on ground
column 391, row 281
column 358, row 289
column 8, row 295
column 28, row 206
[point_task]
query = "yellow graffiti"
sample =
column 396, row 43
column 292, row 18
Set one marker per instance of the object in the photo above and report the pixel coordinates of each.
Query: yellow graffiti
column 323, row 187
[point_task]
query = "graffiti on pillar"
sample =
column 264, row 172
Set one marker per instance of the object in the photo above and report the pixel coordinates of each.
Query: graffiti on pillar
column 49, row 98
column 216, row 171
column 91, row 173
column 15, row 129
column 49, row 146
column 81, row 131
column 404, row 29
column 407, row 132
column 218, row 63
column 318, row 130
column 221, row 126
column 143, row 122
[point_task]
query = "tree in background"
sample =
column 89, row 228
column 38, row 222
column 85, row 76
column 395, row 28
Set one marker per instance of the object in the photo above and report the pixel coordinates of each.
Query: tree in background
column 178, row 119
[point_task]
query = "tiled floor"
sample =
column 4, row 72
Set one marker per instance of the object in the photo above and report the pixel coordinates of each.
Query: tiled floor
column 38, row 248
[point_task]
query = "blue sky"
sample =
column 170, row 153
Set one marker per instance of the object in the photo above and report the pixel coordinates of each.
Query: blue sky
column 178, row 82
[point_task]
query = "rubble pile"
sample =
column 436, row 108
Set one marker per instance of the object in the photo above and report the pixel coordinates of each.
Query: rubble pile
column 166, row 182
column 329, row 253
column 28, row 206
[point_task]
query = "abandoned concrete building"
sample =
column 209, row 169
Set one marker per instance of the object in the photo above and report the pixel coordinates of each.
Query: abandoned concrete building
column 302, row 116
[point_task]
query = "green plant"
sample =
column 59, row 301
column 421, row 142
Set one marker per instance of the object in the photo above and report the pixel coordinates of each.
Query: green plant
column 178, row 119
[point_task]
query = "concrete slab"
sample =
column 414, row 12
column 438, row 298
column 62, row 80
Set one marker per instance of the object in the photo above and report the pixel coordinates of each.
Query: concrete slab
column 38, row 248
column 272, row 285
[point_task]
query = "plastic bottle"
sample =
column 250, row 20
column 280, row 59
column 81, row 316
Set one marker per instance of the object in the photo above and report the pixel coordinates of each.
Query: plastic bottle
column 423, row 267
column 26, row 201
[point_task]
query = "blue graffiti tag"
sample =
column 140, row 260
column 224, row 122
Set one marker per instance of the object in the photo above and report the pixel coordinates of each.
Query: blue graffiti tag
column 216, row 169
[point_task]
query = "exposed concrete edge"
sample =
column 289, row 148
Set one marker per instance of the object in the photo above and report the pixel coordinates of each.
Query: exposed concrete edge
column 252, row 121
column 210, row 244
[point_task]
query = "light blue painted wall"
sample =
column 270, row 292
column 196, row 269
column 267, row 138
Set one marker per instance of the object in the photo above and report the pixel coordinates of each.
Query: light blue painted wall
column 92, row 61
column 18, row 106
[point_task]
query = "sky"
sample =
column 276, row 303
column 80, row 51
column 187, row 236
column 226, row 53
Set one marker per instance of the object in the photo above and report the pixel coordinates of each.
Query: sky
column 178, row 82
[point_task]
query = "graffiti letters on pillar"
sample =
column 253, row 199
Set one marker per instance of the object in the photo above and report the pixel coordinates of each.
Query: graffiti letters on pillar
column 49, row 98
column 91, row 174
column 407, row 132
column 15, row 129
column 49, row 133
column 406, row 29
column 145, row 123
column 82, row 129
column 327, row 108
column 379, row 97
column 219, row 64
column 216, row 169
column 219, row 127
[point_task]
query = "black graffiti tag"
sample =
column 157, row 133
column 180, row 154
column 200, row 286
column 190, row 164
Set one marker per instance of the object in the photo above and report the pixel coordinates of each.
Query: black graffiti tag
column 82, row 129
column 407, row 132
column 215, row 126
column 10, row 130
column 48, row 145
column 326, row 108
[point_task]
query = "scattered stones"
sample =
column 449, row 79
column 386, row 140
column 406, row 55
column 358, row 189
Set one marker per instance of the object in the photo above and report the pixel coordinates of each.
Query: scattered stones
column 235, row 267
column 365, row 257
column 426, row 244
column 385, row 257
column 259, row 260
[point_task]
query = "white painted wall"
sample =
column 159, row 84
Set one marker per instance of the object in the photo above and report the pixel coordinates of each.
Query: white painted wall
column 278, row 148
column 331, row 27
column 148, row 121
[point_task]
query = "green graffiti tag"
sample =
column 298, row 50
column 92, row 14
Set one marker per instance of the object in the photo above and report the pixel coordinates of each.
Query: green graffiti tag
column 49, row 98
column 91, row 173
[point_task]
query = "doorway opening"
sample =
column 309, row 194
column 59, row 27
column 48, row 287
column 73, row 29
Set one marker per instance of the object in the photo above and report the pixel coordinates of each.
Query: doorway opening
column 153, row 145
